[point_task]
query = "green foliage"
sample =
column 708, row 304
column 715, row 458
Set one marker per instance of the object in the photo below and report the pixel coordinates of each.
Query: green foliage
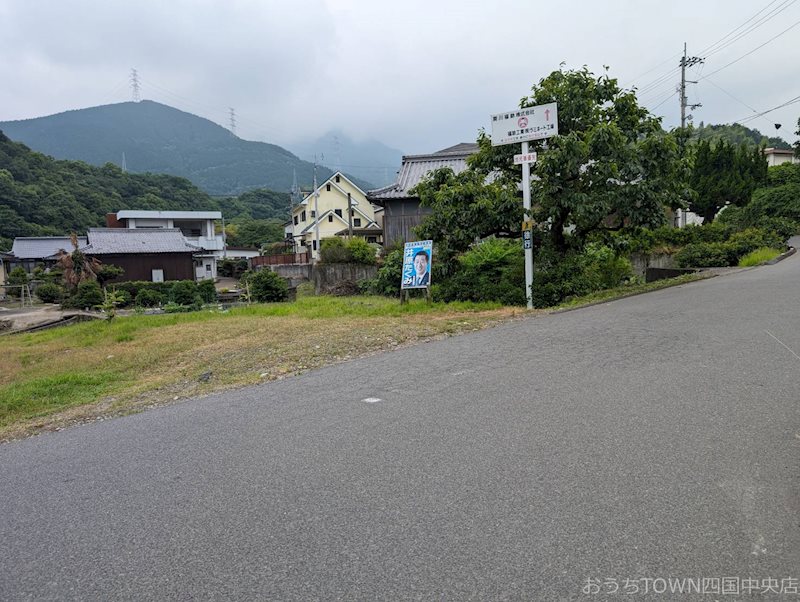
column 361, row 251
column 779, row 201
column 111, row 300
column 465, row 207
column 785, row 173
column 334, row 250
column 183, row 292
column 207, row 291
column 246, row 232
column 724, row 175
column 387, row 282
column 266, row 286
column 108, row 272
column 149, row 298
column 88, row 295
column 18, row 276
column 758, row 257
column 49, row 292
column 703, row 254
column 737, row 135
column 232, row 268
column 493, row 270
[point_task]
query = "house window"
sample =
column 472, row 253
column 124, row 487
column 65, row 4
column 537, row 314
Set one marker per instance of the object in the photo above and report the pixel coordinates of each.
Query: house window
column 357, row 222
column 313, row 214
column 295, row 220
column 208, row 267
column 303, row 216
column 303, row 243
column 372, row 239
column 314, row 244
column 338, row 212
column 330, row 217
column 337, row 178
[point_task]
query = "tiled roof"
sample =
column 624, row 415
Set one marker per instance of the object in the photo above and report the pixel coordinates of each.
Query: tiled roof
column 108, row 241
column 416, row 167
column 43, row 247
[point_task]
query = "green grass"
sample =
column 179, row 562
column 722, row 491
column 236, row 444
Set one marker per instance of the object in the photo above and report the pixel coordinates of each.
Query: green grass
column 758, row 257
column 41, row 396
column 628, row 290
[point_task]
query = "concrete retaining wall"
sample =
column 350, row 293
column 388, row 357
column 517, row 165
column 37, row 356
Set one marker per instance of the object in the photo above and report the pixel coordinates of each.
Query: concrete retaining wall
column 333, row 277
column 642, row 261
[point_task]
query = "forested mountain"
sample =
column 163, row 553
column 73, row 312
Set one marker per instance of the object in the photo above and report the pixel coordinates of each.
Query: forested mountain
column 737, row 134
column 41, row 196
column 157, row 138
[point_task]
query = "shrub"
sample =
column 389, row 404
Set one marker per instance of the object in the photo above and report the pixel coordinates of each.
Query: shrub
column 183, row 292
column 361, row 251
column 149, row 298
column 232, row 268
column 207, row 291
column 702, row 254
column 123, row 298
column 266, row 286
column 109, row 272
column 16, row 277
column 49, row 292
column 493, row 270
column 747, row 241
column 387, row 282
column 605, row 267
column 89, row 295
column 334, row 250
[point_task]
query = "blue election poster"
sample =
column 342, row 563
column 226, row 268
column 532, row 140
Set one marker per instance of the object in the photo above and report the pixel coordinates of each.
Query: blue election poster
column 417, row 264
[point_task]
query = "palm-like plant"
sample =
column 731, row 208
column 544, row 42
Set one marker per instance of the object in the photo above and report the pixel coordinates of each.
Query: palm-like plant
column 76, row 266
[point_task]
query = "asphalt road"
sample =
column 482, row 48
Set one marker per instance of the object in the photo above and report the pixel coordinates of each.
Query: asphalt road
column 650, row 438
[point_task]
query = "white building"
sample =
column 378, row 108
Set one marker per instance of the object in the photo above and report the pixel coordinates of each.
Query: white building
column 197, row 227
column 778, row 156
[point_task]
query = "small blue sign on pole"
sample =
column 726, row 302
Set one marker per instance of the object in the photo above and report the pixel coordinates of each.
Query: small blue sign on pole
column 417, row 264
column 527, row 239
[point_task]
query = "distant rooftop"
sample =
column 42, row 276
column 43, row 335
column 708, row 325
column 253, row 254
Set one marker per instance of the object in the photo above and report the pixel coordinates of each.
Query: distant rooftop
column 42, row 247
column 110, row 241
column 137, row 214
column 416, row 167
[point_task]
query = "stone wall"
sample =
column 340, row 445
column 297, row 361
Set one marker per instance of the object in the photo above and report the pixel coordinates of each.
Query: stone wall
column 340, row 277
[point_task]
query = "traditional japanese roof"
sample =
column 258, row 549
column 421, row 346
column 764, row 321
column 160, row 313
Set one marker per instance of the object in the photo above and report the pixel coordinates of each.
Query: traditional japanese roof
column 43, row 247
column 416, row 167
column 113, row 241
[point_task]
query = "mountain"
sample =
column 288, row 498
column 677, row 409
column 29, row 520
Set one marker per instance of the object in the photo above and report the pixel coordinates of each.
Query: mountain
column 371, row 160
column 157, row 138
column 41, row 196
column 738, row 134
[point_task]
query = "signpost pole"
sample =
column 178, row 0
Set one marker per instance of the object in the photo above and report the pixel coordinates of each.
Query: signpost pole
column 526, row 204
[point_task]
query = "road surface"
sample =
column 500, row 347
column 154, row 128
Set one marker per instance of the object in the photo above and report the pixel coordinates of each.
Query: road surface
column 634, row 443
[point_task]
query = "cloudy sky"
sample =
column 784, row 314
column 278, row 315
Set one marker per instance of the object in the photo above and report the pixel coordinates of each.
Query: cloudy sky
column 417, row 75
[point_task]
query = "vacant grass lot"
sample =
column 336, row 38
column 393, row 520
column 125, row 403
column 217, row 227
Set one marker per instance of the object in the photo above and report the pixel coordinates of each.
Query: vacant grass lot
column 92, row 369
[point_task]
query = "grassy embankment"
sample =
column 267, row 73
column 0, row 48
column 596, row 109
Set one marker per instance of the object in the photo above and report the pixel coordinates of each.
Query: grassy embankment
column 94, row 369
column 101, row 368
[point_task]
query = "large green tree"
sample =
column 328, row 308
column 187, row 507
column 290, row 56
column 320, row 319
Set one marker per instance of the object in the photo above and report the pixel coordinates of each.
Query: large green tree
column 724, row 174
column 611, row 166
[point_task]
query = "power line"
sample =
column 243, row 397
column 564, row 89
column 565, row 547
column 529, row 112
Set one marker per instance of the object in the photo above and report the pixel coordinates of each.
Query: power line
column 780, row 106
column 776, row 36
column 721, row 44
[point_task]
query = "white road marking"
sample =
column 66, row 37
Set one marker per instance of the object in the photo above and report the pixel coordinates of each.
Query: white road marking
column 789, row 349
column 371, row 399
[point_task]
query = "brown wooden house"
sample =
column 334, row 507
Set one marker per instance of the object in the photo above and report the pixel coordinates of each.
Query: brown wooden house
column 156, row 255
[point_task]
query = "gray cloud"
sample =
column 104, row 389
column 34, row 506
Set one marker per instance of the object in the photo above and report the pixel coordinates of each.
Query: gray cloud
column 419, row 75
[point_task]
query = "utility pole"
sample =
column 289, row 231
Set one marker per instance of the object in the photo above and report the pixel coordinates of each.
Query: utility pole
column 687, row 62
column 316, row 212
column 349, row 217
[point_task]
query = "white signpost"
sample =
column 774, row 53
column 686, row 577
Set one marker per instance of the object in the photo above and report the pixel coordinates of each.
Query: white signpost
column 524, row 125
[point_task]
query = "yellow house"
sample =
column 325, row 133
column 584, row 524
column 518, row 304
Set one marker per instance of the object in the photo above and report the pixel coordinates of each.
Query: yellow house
column 332, row 199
